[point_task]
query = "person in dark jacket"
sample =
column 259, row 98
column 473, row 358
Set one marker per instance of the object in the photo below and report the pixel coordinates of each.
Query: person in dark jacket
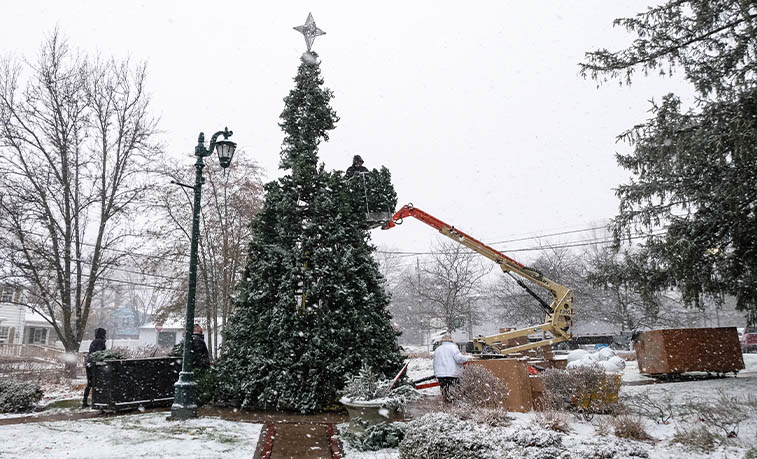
column 356, row 168
column 200, row 357
column 97, row 344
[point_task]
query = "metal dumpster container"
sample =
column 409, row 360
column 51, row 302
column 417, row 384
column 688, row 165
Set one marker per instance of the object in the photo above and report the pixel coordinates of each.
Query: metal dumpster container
column 682, row 350
column 128, row 384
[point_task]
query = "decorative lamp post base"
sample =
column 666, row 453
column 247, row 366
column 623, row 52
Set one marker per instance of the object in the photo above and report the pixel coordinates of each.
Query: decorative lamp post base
column 184, row 403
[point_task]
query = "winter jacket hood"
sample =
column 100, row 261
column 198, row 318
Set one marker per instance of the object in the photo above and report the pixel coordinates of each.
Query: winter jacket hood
column 99, row 333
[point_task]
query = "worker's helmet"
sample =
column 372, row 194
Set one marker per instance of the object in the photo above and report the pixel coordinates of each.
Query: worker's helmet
column 357, row 160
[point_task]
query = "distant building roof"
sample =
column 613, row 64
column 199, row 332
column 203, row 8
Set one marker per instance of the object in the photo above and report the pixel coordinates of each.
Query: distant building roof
column 170, row 324
column 35, row 318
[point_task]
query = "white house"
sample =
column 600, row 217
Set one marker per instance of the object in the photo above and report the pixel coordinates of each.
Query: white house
column 165, row 334
column 18, row 323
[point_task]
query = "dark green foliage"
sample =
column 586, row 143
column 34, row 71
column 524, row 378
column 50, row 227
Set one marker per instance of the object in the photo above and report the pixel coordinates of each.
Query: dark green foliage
column 375, row 187
column 693, row 171
column 108, row 354
column 712, row 41
column 206, row 379
column 377, row 436
column 207, row 386
column 311, row 307
column 177, row 350
column 18, row 396
column 625, row 299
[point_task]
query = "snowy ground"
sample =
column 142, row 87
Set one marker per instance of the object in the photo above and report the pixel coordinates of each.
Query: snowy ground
column 584, row 440
column 138, row 435
column 150, row 435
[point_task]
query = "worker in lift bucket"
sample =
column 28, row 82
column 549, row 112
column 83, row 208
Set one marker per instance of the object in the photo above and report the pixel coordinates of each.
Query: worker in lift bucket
column 448, row 363
column 356, row 168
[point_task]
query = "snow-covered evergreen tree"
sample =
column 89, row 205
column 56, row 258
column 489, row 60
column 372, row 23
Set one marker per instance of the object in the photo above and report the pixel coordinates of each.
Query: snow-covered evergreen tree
column 311, row 308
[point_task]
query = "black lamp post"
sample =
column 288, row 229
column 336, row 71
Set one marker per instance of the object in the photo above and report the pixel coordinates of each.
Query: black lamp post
column 185, row 396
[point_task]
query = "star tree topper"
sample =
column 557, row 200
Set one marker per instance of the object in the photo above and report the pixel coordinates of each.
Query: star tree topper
column 309, row 31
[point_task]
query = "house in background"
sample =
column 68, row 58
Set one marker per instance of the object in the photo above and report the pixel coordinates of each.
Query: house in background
column 164, row 335
column 125, row 323
column 19, row 324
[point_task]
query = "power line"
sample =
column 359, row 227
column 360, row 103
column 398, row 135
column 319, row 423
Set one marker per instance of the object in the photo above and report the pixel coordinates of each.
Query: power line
column 127, row 252
column 561, row 233
column 532, row 249
column 157, row 287
column 115, row 268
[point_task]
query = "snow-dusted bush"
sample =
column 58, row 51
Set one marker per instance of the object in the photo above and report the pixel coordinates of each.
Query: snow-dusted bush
column 18, row 396
column 375, row 437
column 365, row 386
column 552, row 420
column 724, row 413
column 658, row 409
column 108, row 354
column 698, row 438
column 146, row 351
column 494, row 417
column 630, row 426
column 362, row 386
column 584, row 390
column 479, row 388
column 606, row 448
column 443, row 435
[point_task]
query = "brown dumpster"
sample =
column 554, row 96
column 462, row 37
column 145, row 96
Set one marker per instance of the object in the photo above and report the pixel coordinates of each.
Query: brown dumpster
column 675, row 351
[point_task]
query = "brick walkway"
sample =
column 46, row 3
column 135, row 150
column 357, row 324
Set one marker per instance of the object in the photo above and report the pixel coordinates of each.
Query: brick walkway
column 288, row 435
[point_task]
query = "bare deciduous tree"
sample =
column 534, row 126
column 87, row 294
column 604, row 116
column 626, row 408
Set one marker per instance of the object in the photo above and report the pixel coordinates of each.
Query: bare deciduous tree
column 76, row 136
column 450, row 285
column 231, row 198
column 518, row 308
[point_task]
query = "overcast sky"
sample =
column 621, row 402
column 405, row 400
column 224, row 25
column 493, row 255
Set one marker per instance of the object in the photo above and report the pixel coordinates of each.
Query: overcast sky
column 476, row 108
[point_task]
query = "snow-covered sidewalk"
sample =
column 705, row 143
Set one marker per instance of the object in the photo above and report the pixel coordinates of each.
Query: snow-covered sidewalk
column 137, row 435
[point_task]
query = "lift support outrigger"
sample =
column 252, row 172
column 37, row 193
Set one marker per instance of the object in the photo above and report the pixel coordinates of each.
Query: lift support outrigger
column 559, row 314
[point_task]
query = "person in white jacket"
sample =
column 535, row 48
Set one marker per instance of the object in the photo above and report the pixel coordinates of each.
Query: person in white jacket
column 448, row 363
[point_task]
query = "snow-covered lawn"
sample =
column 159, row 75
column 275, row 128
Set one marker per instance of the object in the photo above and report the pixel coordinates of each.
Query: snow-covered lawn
column 151, row 435
column 138, row 435
column 587, row 438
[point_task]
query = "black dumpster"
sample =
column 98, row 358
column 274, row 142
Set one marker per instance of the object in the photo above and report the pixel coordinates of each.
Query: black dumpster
column 128, row 384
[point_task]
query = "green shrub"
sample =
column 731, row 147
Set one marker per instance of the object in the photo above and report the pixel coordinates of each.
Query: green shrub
column 377, row 436
column 108, row 354
column 207, row 386
column 18, row 396
column 366, row 386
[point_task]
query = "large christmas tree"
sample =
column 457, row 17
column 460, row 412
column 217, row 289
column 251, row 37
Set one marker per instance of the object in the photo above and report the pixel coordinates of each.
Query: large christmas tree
column 311, row 307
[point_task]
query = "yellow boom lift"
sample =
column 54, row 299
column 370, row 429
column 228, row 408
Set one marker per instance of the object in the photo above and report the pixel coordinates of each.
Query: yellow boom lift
column 559, row 314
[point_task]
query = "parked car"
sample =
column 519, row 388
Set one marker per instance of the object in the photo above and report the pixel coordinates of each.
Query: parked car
column 749, row 339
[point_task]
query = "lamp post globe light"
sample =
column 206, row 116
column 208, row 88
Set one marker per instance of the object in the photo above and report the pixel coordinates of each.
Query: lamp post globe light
column 185, row 390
